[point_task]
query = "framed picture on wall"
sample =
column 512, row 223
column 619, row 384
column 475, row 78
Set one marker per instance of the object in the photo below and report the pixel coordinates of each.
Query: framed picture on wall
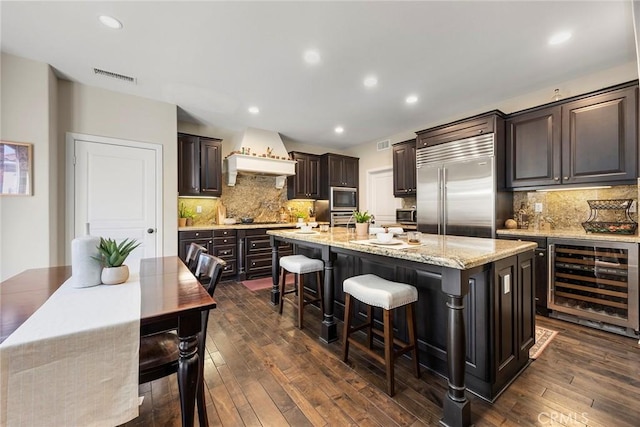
column 16, row 168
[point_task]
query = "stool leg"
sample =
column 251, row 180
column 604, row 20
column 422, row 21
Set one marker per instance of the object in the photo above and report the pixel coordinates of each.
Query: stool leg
column 411, row 325
column 320, row 285
column 370, row 326
column 300, row 299
column 283, row 273
column 388, row 351
column 347, row 326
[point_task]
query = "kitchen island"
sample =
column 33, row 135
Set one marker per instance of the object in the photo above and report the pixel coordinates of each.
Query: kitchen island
column 475, row 309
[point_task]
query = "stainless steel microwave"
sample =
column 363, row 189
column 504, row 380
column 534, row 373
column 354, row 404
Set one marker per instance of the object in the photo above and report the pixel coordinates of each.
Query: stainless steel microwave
column 343, row 199
column 406, row 216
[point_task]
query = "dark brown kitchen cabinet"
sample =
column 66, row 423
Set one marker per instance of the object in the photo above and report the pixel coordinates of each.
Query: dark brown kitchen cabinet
column 339, row 171
column 533, row 148
column 199, row 166
column 589, row 139
column 466, row 128
column 599, row 138
column 404, row 168
column 201, row 237
column 541, row 269
column 306, row 182
column 225, row 247
column 255, row 246
column 513, row 320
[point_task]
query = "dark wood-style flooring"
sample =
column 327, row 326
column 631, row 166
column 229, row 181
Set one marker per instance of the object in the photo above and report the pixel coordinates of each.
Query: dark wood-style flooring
column 261, row 370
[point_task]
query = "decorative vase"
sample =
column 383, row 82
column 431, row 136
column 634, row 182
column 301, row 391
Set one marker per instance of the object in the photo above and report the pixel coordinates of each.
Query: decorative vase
column 189, row 222
column 362, row 228
column 85, row 268
column 115, row 275
column 182, row 222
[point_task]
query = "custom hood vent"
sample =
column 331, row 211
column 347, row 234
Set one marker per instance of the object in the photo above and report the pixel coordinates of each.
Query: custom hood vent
column 262, row 152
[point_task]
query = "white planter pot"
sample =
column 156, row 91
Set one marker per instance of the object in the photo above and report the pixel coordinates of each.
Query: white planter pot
column 115, row 275
column 362, row 228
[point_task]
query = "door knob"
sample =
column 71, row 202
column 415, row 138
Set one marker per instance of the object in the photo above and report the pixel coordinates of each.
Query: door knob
column 150, row 230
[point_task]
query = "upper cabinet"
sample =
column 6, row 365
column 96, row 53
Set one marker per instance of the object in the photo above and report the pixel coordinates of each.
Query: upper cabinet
column 339, row 171
column 591, row 139
column 199, row 166
column 404, row 168
column 306, row 182
column 461, row 129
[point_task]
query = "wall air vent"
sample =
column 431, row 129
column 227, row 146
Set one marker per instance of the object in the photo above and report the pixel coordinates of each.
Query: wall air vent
column 384, row 145
column 113, row 75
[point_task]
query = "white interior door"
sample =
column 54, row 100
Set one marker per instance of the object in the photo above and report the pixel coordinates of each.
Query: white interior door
column 115, row 191
column 380, row 200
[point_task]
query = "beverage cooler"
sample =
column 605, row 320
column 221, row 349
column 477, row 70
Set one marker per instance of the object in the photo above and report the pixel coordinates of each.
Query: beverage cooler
column 595, row 283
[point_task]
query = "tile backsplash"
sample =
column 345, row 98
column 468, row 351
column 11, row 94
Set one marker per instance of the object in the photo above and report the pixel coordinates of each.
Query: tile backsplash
column 567, row 210
column 253, row 196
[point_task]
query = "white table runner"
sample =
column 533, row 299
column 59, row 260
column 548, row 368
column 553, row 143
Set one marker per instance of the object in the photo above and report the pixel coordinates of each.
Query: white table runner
column 74, row 362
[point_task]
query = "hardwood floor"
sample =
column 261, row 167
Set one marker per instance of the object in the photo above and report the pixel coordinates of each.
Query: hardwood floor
column 262, row 370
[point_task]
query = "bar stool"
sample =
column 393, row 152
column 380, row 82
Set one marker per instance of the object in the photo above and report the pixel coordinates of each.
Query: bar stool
column 375, row 291
column 300, row 265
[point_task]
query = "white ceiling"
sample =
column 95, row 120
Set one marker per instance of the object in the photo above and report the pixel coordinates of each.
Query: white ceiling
column 215, row 59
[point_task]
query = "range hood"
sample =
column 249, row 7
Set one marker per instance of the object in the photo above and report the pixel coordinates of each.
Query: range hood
column 262, row 152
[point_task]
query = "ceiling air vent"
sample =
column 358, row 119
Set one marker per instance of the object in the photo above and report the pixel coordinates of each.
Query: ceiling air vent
column 384, row 145
column 113, row 75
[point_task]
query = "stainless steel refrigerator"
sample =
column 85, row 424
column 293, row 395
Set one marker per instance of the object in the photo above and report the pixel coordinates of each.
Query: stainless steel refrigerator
column 457, row 188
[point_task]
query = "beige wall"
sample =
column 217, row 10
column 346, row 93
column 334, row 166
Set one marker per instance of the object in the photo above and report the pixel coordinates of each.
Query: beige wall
column 40, row 109
column 370, row 158
column 89, row 110
column 27, row 227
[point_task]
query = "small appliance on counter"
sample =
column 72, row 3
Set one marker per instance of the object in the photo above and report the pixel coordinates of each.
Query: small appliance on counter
column 407, row 218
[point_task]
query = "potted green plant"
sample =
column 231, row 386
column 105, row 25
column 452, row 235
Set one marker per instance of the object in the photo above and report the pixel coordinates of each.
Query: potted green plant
column 362, row 222
column 112, row 256
column 301, row 216
column 185, row 216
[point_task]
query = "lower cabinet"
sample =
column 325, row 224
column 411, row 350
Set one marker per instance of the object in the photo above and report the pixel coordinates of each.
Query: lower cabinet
column 201, row 237
column 221, row 243
column 225, row 247
column 255, row 251
column 541, row 267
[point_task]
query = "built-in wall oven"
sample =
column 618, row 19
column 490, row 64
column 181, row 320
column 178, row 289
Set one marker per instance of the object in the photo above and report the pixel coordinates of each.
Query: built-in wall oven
column 595, row 283
column 343, row 199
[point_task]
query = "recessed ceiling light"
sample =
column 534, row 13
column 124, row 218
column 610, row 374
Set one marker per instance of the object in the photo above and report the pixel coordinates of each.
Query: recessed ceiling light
column 411, row 99
column 254, row 110
column 370, row 81
column 311, row 56
column 339, row 129
column 560, row 38
column 110, row 22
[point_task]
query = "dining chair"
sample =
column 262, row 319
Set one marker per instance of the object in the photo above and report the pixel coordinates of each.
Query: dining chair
column 159, row 352
column 193, row 256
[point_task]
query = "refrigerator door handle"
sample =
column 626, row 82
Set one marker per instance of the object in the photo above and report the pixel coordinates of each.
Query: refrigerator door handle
column 443, row 198
column 439, row 201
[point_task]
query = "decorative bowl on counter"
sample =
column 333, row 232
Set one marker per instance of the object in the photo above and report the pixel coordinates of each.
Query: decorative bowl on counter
column 384, row 237
column 246, row 220
column 229, row 221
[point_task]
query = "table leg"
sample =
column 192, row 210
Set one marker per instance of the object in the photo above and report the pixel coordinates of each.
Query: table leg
column 329, row 329
column 275, row 271
column 188, row 365
column 456, row 407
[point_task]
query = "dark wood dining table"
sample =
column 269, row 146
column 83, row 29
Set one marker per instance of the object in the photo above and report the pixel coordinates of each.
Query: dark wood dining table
column 171, row 297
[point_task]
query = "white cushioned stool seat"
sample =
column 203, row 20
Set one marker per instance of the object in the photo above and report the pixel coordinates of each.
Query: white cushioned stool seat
column 301, row 264
column 379, row 292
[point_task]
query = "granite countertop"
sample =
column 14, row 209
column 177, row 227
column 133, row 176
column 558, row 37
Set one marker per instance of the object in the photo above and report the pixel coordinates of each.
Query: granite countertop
column 446, row 251
column 571, row 234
